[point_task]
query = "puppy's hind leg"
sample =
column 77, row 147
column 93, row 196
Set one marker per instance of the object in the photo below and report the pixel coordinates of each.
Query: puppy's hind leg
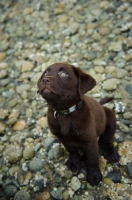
column 107, row 138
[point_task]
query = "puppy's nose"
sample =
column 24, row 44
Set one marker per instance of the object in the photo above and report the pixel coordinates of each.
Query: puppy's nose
column 46, row 80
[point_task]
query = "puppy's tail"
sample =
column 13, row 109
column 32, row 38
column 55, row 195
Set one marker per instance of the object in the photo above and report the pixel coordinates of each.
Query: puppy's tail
column 106, row 100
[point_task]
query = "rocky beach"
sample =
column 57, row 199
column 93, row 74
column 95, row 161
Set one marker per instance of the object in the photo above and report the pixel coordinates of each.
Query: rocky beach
column 94, row 35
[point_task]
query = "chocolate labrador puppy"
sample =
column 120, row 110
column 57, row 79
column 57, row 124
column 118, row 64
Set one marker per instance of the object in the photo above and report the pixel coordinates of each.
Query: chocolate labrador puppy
column 76, row 119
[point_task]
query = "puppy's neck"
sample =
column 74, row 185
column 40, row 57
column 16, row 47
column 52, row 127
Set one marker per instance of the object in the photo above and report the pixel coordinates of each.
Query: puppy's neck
column 63, row 105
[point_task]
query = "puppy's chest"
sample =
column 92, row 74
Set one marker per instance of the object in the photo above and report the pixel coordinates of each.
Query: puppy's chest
column 66, row 128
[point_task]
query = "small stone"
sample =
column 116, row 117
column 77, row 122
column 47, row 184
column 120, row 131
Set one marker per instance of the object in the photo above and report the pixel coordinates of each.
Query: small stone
column 29, row 113
column 28, row 152
column 27, row 66
column 24, row 177
column 22, row 195
column 104, row 4
column 115, row 176
column 4, row 65
column 23, row 87
column 36, row 164
column 121, row 73
column 110, row 69
column 19, row 125
column 104, row 31
column 13, row 170
column 49, row 142
column 2, row 56
column 10, row 191
column 42, row 122
column 27, row 11
column 58, row 152
column 128, row 88
column 75, row 183
column 91, row 55
column 13, row 102
column 13, row 117
column 128, row 57
column 110, row 84
column 12, row 153
column 96, row 36
column 99, row 69
column 44, row 196
column 119, row 107
column 115, row 46
column 119, row 137
column 129, row 170
column 62, row 18
column 57, row 194
column 123, row 127
column 2, row 127
column 107, row 181
column 3, row 73
column 127, row 115
column 51, row 154
column 3, row 113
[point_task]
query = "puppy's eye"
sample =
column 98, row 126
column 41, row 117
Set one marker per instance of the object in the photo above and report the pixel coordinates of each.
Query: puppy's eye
column 63, row 73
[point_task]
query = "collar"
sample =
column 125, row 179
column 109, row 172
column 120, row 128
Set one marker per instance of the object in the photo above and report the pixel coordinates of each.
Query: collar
column 67, row 111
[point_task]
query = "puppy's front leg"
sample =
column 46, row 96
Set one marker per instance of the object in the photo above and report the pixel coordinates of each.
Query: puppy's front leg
column 94, row 175
column 74, row 162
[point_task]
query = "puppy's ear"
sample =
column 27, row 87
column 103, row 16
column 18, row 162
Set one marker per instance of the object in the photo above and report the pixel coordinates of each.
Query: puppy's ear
column 85, row 81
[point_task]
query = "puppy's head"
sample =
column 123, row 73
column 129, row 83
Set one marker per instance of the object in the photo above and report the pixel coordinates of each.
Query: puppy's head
column 64, row 82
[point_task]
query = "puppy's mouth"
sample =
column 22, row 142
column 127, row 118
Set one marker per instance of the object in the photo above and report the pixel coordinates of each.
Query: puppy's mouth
column 44, row 90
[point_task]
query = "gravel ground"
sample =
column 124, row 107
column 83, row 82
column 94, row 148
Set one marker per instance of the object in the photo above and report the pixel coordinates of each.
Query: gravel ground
column 94, row 35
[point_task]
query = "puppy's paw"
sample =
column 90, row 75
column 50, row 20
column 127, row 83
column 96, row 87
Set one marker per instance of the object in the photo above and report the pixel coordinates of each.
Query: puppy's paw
column 94, row 176
column 113, row 156
column 73, row 164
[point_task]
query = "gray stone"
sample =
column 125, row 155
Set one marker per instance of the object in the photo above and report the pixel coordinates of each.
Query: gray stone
column 115, row 176
column 57, row 194
column 129, row 170
column 75, row 183
column 129, row 89
column 36, row 164
column 49, row 142
column 110, row 84
column 22, row 195
column 23, row 87
column 10, row 191
column 2, row 127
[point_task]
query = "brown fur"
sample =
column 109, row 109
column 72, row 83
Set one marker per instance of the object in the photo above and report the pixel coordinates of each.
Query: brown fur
column 62, row 85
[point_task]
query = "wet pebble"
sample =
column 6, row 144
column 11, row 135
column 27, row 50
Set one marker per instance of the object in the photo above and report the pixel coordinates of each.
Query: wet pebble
column 22, row 195
column 110, row 84
column 2, row 56
column 129, row 170
column 36, row 164
column 24, row 177
column 44, row 196
column 115, row 176
column 123, row 127
column 13, row 153
column 49, row 142
column 2, row 127
column 10, row 191
column 28, row 152
column 22, row 88
column 57, row 193
column 19, row 125
column 27, row 66
column 75, row 183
